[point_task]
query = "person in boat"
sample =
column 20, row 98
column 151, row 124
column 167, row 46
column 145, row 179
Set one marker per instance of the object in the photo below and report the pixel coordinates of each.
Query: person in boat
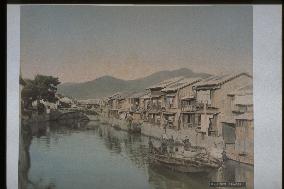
column 186, row 143
column 171, row 145
column 224, row 156
column 129, row 119
column 164, row 145
column 150, row 143
column 165, row 125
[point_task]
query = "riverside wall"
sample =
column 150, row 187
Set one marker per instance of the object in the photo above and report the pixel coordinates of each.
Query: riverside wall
column 214, row 145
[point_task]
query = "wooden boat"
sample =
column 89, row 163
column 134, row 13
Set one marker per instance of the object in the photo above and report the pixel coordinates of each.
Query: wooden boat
column 200, row 162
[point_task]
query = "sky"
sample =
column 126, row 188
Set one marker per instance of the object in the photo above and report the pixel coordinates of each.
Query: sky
column 81, row 43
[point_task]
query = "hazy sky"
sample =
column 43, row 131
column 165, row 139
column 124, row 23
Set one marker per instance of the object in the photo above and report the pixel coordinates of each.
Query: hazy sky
column 80, row 43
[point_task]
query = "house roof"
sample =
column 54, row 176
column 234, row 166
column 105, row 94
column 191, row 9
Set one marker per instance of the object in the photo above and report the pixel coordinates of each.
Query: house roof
column 190, row 97
column 114, row 96
column 218, row 80
column 180, row 84
column 119, row 96
column 146, row 95
column 165, row 83
column 139, row 94
column 156, row 95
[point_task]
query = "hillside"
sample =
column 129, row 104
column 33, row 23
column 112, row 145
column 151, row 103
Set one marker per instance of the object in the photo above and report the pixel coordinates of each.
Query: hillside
column 107, row 85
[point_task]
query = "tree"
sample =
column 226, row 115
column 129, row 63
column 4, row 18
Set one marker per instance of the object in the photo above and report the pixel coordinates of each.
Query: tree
column 42, row 87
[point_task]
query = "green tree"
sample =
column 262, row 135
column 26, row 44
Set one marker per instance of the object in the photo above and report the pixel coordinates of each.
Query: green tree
column 41, row 87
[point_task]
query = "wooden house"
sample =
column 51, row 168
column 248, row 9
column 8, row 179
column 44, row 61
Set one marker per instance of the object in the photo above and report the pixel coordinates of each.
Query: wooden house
column 156, row 101
column 117, row 104
column 212, row 100
column 175, row 99
column 138, row 104
column 238, row 126
column 144, row 105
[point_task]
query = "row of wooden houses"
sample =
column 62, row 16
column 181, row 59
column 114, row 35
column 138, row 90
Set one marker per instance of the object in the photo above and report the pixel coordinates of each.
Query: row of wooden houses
column 215, row 106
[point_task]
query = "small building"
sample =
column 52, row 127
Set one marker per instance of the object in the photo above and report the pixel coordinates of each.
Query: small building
column 144, row 105
column 156, row 102
column 238, row 126
column 137, row 102
column 175, row 100
column 118, row 104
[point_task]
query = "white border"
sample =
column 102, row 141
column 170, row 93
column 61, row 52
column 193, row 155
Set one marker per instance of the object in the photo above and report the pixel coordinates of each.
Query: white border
column 267, row 77
column 13, row 60
column 267, row 94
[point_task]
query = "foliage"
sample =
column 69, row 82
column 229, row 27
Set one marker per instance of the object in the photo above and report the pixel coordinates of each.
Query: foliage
column 41, row 87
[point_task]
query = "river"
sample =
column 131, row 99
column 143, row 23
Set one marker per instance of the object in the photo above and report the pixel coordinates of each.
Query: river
column 101, row 157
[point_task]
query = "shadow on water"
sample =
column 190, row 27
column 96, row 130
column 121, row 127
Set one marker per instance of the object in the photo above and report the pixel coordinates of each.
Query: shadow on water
column 38, row 130
column 132, row 148
column 160, row 177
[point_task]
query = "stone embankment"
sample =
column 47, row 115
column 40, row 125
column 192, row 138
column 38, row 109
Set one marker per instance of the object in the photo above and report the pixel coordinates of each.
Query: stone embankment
column 214, row 145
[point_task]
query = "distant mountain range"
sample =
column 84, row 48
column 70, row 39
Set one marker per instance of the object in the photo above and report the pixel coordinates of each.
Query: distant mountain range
column 107, row 85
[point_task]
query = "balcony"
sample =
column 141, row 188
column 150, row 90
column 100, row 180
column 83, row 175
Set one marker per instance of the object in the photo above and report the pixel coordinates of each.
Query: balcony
column 189, row 108
column 135, row 108
column 170, row 106
column 154, row 107
column 239, row 110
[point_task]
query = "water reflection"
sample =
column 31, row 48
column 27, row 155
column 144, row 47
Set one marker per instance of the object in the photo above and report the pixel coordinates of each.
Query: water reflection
column 98, row 156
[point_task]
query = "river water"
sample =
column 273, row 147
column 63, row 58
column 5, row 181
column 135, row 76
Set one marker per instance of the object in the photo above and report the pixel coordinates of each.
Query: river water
column 102, row 158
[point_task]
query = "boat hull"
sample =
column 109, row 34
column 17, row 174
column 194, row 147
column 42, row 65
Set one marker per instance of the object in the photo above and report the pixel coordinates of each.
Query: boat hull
column 181, row 165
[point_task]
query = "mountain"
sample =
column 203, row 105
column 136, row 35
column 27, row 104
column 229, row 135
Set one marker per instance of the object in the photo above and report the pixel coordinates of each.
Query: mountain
column 107, row 85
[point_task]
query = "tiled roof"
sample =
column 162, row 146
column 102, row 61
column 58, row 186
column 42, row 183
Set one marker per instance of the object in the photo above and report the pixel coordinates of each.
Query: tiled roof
column 138, row 95
column 166, row 83
column 218, row 80
column 146, row 95
column 180, row 84
column 119, row 95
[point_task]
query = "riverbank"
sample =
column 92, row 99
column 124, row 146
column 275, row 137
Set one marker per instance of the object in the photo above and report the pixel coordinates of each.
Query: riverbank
column 214, row 145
